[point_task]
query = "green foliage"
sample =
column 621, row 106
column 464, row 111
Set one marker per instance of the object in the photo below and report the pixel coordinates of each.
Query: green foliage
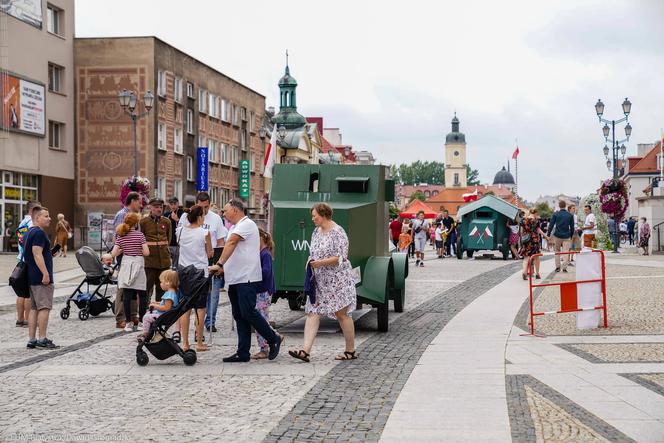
column 544, row 210
column 419, row 195
column 394, row 211
column 431, row 173
column 602, row 237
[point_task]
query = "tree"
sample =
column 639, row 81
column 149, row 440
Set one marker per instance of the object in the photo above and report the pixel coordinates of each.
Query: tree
column 544, row 210
column 394, row 211
column 473, row 176
column 419, row 195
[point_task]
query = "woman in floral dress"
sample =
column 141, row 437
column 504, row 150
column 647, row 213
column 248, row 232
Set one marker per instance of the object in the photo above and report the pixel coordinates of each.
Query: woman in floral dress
column 531, row 235
column 335, row 286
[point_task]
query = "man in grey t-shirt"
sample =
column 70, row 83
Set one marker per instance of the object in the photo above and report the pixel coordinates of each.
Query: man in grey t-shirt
column 420, row 229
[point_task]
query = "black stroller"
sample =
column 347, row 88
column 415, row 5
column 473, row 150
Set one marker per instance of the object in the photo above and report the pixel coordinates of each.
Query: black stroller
column 192, row 285
column 96, row 274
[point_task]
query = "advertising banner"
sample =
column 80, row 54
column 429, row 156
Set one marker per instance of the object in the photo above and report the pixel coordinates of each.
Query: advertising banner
column 22, row 105
column 245, row 176
column 202, row 169
column 28, row 11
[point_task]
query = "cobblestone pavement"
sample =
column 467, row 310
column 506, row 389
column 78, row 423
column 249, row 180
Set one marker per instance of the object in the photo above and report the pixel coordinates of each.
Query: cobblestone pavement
column 92, row 388
column 654, row 381
column 618, row 352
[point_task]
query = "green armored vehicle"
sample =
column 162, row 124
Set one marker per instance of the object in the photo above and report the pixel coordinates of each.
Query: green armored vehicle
column 360, row 196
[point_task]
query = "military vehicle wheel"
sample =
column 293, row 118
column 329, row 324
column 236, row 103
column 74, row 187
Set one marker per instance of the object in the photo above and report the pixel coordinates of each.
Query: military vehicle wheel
column 398, row 301
column 469, row 253
column 506, row 249
column 459, row 248
column 383, row 319
column 294, row 303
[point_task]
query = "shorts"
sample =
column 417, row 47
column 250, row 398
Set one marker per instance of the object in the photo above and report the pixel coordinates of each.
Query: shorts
column 41, row 297
column 420, row 243
column 440, row 244
column 201, row 301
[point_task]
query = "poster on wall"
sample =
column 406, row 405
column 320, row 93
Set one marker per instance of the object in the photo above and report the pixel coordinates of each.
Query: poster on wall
column 94, row 229
column 28, row 11
column 22, row 105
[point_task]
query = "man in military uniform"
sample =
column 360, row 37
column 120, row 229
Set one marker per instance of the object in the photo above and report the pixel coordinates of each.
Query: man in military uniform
column 158, row 234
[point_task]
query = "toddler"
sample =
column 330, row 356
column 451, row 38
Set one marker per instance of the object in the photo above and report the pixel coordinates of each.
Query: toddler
column 404, row 240
column 169, row 282
column 264, row 297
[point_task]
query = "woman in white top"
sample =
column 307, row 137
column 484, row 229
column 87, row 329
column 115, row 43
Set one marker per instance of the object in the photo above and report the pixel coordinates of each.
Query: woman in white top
column 195, row 249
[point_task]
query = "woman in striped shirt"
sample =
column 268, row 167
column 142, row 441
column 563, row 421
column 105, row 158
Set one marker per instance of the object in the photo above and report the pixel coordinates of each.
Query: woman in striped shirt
column 131, row 243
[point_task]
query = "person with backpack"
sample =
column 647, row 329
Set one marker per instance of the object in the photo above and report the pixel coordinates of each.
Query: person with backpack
column 420, row 228
column 23, row 300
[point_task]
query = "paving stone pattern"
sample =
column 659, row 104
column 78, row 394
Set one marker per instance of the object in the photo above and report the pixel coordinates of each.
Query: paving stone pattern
column 653, row 381
column 539, row 413
column 353, row 401
column 617, row 352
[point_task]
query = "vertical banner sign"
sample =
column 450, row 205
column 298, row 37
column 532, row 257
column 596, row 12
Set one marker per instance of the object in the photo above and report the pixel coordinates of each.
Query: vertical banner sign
column 202, row 169
column 244, row 179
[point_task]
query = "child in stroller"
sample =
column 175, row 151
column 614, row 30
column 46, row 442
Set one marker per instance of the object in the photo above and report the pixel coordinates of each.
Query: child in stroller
column 193, row 284
column 169, row 282
column 97, row 274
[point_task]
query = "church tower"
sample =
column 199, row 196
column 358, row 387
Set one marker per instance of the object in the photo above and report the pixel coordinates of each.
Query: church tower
column 455, row 157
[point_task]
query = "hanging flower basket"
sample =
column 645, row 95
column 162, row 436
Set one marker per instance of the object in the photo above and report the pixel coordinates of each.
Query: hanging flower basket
column 613, row 197
column 136, row 184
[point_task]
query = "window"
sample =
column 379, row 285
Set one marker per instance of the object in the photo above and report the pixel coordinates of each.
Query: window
column 214, row 195
column 202, row 101
column 243, row 112
column 56, row 134
column 236, row 114
column 161, row 188
column 177, row 140
column 177, row 89
column 225, row 196
column 161, row 83
column 54, row 20
column 224, row 153
column 177, row 189
column 212, row 101
column 227, row 113
column 190, row 121
column 161, row 136
column 234, row 156
column 190, row 90
column 202, row 141
column 251, row 121
column 243, row 139
column 253, row 164
column 56, row 77
column 190, row 168
column 223, row 114
column 212, row 151
column 456, row 179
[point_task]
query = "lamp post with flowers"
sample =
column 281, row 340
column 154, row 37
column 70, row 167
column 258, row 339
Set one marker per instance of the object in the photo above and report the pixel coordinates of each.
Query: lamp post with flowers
column 128, row 102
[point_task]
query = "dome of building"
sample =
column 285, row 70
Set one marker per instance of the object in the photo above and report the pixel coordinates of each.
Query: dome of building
column 287, row 79
column 504, row 177
column 455, row 136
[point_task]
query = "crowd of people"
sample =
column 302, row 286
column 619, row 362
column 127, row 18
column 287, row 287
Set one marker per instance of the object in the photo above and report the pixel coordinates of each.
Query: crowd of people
column 225, row 244
column 411, row 236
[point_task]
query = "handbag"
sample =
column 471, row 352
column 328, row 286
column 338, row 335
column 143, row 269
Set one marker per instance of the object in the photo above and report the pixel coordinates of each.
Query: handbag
column 310, row 284
column 18, row 280
column 70, row 235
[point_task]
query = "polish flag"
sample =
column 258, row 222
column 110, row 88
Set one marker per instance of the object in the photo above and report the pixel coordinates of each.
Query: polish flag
column 270, row 154
column 470, row 197
column 516, row 153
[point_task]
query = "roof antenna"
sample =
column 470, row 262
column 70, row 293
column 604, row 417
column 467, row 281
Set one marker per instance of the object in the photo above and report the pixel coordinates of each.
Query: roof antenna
column 286, row 57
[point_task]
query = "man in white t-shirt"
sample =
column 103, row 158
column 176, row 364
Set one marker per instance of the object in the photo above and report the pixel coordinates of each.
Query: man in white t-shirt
column 218, row 232
column 589, row 227
column 241, row 264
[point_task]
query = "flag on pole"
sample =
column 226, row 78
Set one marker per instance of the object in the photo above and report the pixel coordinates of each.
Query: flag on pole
column 516, row 153
column 270, row 154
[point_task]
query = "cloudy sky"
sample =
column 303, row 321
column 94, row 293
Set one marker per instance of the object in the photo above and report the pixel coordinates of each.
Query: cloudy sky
column 390, row 74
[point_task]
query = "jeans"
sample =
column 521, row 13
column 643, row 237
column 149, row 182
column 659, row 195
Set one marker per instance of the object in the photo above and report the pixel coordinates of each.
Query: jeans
column 213, row 302
column 450, row 244
column 243, row 304
column 127, row 296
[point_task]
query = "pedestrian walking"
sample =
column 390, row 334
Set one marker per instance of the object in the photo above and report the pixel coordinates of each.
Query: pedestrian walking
column 531, row 233
column 195, row 249
column 267, row 289
column 395, row 230
column 644, row 236
column 63, row 233
column 335, row 295
column 23, row 300
column 420, row 228
column 158, row 235
column 448, row 224
column 39, row 261
column 452, row 236
column 439, row 235
column 241, row 265
column 576, row 234
column 589, row 227
column 631, row 224
column 513, row 227
column 405, row 239
column 173, row 215
column 613, row 229
column 130, row 242
column 562, row 228
column 132, row 203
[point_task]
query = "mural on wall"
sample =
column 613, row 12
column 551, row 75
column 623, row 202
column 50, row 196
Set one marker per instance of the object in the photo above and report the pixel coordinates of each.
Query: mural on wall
column 106, row 149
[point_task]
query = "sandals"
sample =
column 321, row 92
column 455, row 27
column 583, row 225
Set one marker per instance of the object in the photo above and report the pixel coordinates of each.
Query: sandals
column 347, row 355
column 202, row 348
column 259, row 355
column 300, row 355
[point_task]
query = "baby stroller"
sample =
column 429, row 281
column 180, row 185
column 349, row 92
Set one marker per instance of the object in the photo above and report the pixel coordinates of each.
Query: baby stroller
column 192, row 285
column 96, row 274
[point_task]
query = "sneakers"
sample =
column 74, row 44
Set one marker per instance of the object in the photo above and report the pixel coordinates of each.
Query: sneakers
column 119, row 325
column 45, row 343
column 557, row 269
column 417, row 262
column 140, row 325
column 32, row 343
column 422, row 264
column 129, row 327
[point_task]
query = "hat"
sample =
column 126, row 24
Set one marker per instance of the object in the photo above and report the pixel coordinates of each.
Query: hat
column 156, row 201
column 173, row 200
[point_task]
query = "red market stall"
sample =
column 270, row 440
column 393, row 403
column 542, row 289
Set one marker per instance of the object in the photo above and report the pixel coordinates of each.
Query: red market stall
column 415, row 207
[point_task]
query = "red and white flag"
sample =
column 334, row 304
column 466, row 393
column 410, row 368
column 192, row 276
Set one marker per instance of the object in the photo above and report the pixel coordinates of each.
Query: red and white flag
column 516, row 153
column 270, row 154
column 470, row 197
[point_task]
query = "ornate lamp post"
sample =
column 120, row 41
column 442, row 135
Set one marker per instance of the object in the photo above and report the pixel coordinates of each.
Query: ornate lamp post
column 128, row 101
column 617, row 146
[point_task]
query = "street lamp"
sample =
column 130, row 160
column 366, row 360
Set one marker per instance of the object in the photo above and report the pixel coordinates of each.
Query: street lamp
column 128, row 101
column 617, row 146
column 262, row 132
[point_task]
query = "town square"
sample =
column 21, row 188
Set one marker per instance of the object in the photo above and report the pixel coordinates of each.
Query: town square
column 331, row 221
